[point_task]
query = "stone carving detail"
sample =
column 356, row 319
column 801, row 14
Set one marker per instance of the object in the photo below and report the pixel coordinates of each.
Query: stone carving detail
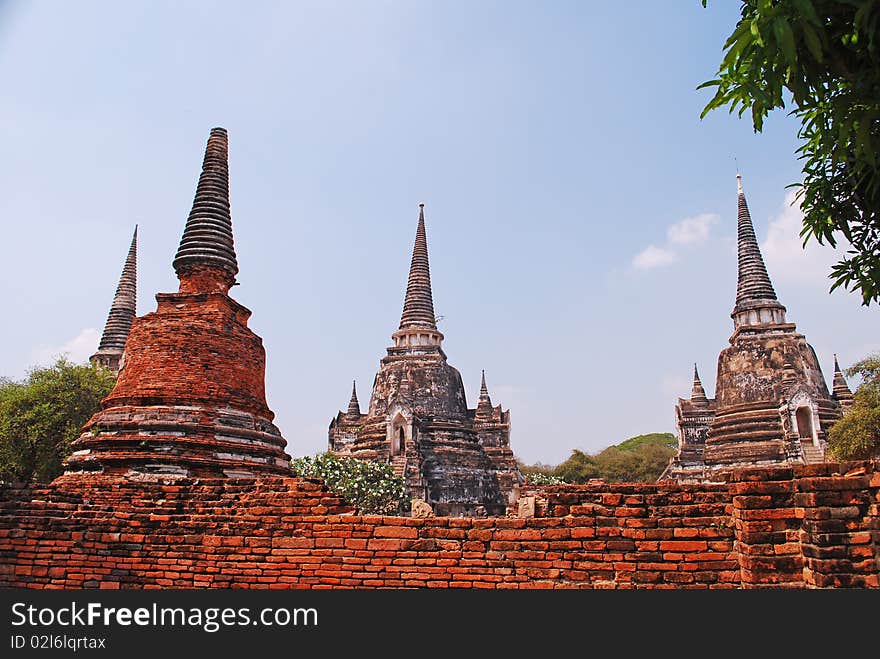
column 421, row 509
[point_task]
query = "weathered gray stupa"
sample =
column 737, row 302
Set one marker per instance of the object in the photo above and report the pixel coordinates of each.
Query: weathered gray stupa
column 457, row 459
column 771, row 405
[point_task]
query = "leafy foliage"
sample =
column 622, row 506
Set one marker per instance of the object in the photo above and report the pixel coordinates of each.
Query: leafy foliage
column 637, row 459
column 42, row 415
column 825, row 56
column 578, row 468
column 660, row 439
column 372, row 487
column 856, row 434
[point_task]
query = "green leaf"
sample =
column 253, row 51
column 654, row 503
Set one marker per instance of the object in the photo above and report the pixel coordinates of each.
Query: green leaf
column 756, row 32
column 805, row 8
column 814, row 43
column 785, row 38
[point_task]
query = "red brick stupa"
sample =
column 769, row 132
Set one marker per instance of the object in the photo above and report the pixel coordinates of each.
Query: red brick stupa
column 190, row 398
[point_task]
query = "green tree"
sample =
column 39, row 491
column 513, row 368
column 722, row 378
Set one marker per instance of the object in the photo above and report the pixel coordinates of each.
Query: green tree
column 824, row 56
column 578, row 468
column 638, row 459
column 658, row 439
column 41, row 415
column 856, row 435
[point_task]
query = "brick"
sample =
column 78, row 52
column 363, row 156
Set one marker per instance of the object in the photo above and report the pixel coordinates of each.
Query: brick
column 395, row 532
column 683, row 545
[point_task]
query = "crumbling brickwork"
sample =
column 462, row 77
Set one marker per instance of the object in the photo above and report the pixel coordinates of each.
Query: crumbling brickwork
column 813, row 526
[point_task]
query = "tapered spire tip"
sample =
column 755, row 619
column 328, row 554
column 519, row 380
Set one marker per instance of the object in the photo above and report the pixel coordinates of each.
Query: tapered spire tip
column 122, row 312
column 754, row 291
column 698, row 393
column 207, row 241
column 354, row 407
column 484, row 404
column 418, row 307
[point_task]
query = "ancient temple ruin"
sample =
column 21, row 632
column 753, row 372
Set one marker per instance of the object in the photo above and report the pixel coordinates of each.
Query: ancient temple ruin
column 122, row 312
column 190, row 397
column 771, row 405
column 457, row 459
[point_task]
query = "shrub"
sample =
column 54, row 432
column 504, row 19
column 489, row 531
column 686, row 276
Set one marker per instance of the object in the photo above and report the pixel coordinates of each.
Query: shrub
column 41, row 415
column 538, row 478
column 371, row 487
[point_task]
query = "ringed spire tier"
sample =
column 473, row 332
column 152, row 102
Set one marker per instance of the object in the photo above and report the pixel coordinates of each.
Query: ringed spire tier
column 122, row 313
column 207, row 243
column 418, row 307
column 756, row 302
column 418, row 324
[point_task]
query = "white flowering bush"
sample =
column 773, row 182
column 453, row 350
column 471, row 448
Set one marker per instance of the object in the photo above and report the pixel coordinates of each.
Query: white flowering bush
column 538, row 478
column 372, row 487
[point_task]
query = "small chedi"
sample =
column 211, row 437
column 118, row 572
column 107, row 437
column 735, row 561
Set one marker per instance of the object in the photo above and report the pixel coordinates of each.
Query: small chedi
column 190, row 399
column 122, row 313
column 771, row 405
column 457, row 459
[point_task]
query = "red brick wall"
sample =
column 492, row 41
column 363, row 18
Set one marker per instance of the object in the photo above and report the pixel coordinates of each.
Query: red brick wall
column 805, row 527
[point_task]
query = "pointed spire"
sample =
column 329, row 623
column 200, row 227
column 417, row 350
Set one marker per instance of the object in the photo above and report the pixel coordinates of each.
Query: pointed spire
column 698, row 394
column 207, row 241
column 484, row 406
column 840, row 389
column 753, row 287
column 122, row 312
column 418, row 307
column 354, row 407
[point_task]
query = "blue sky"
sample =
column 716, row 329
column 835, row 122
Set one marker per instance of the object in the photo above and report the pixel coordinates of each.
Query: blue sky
column 580, row 216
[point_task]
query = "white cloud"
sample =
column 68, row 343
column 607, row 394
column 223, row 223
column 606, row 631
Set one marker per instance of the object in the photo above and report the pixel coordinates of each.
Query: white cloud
column 692, row 230
column 687, row 232
column 786, row 259
column 653, row 257
column 77, row 350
